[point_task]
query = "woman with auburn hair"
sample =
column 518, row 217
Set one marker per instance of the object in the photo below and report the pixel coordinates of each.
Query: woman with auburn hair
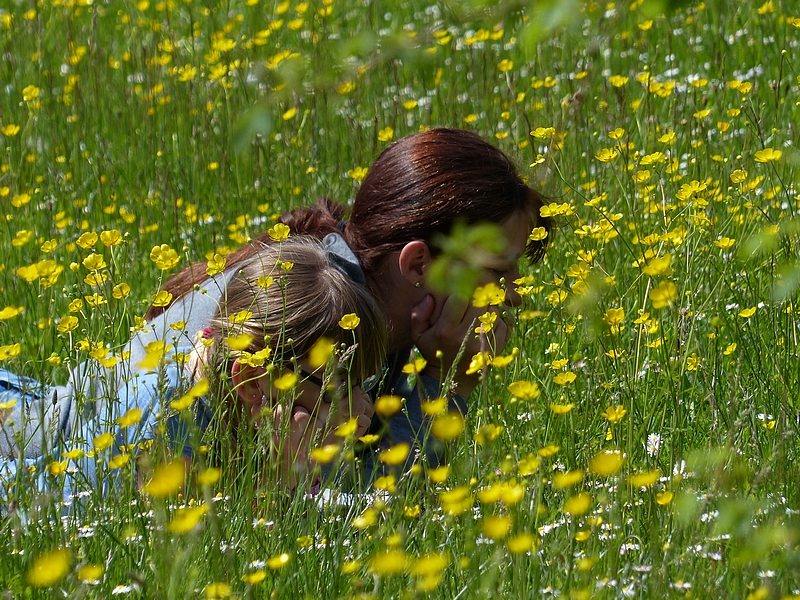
column 419, row 188
column 253, row 358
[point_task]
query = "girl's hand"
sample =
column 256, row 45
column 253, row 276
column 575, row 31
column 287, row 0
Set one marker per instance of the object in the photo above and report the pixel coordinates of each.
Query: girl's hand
column 357, row 405
column 308, row 430
column 292, row 449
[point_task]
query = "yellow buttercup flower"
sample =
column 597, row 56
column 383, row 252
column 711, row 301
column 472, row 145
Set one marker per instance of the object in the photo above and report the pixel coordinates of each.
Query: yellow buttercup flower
column 103, row 441
column 67, row 324
column 664, row 294
column 325, row 454
column 607, row 154
column 525, row 390
column 664, row 498
column 90, row 573
column 767, row 155
column 94, row 262
column 216, row 264
column 349, row 321
column 659, row 265
column 538, row 233
column 448, row 426
column 347, row 428
column 57, row 468
column 490, row 294
column 614, row 316
column 30, row 92
column 479, row 362
column 209, row 476
column 388, row 483
column 568, row 479
column 119, row 461
column 387, row 406
column 606, row 463
column 240, row 317
column 286, row 381
column 434, row 407
column 416, row 366
column 529, row 465
column 496, row 527
column 218, row 591
column 644, row 480
column 279, row 232
column 615, row 413
column 131, row 417
column 548, row 450
column 161, row 298
column 164, row 257
column 365, row 519
column 186, row 519
column 121, row 291
column 522, row 542
column 112, row 237
column 358, row 173
column 320, row 352
column 10, row 130
column 385, row 134
column 279, row 561
column 388, row 562
column 49, row 568
column 543, row 132
column 167, row 480
column 746, row 313
column 395, row 455
column 564, row 378
column 578, row 504
column 255, row 577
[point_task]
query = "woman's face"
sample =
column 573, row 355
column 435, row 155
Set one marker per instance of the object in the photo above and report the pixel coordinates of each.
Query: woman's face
column 516, row 228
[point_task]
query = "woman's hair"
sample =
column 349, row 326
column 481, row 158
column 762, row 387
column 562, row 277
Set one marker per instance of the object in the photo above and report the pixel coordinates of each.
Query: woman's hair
column 420, row 186
column 304, row 301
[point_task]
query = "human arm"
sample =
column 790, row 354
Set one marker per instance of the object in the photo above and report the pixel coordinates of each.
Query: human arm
column 440, row 324
column 299, row 428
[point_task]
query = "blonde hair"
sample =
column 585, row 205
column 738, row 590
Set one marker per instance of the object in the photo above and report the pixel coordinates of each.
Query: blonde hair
column 286, row 297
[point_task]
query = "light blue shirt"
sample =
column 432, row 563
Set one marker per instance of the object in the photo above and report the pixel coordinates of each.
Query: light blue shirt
column 148, row 391
column 47, row 422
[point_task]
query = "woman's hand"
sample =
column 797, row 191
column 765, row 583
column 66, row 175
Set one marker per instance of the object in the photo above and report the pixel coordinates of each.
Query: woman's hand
column 441, row 325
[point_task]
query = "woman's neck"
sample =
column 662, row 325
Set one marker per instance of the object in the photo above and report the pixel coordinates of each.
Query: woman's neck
column 396, row 308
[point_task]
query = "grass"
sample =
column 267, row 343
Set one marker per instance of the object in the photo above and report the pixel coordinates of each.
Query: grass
column 670, row 289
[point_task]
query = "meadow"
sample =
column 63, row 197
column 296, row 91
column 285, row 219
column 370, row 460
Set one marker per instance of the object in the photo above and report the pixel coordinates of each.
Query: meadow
column 638, row 436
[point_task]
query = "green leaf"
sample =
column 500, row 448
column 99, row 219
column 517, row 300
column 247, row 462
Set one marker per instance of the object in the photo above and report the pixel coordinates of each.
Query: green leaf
column 256, row 121
column 546, row 17
column 787, row 283
column 465, row 253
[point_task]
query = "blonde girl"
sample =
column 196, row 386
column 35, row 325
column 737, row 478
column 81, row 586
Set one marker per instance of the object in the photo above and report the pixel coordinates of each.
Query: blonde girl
column 248, row 367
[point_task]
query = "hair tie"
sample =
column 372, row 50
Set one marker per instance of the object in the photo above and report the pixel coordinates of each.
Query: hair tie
column 340, row 225
column 342, row 257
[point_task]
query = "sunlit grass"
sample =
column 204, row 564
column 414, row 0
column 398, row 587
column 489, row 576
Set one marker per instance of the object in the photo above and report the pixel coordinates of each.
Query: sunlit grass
column 641, row 440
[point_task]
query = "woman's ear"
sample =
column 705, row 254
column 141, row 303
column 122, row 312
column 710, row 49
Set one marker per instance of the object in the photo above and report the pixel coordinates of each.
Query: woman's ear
column 414, row 261
column 247, row 382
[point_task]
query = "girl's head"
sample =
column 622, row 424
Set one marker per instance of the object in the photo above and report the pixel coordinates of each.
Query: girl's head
column 285, row 297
